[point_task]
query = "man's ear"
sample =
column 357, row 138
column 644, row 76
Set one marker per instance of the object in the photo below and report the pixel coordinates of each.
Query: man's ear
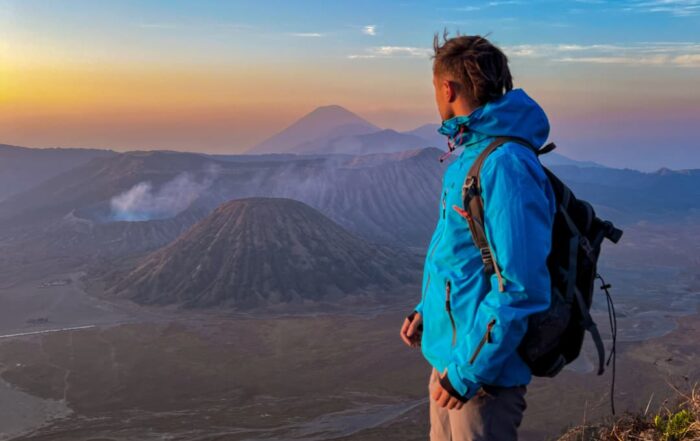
column 449, row 90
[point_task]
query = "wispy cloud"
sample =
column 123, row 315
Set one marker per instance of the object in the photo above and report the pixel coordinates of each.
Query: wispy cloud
column 370, row 30
column 688, row 60
column 678, row 8
column 306, row 34
column 197, row 26
column 661, row 53
column 685, row 54
column 655, row 60
column 393, row 52
column 157, row 25
column 491, row 4
column 505, row 3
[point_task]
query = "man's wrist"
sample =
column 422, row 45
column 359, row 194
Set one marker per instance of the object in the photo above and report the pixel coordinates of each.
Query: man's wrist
column 411, row 317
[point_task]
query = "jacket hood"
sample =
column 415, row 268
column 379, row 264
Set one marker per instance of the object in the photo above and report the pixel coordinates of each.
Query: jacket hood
column 514, row 114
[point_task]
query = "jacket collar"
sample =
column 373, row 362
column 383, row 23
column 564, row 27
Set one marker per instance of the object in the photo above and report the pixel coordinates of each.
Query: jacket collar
column 513, row 114
column 458, row 133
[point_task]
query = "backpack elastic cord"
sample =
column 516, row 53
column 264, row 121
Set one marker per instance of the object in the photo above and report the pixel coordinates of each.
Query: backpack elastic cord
column 590, row 326
column 612, row 316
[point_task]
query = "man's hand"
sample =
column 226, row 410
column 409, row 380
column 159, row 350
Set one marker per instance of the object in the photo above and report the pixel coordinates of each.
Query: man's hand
column 411, row 330
column 442, row 397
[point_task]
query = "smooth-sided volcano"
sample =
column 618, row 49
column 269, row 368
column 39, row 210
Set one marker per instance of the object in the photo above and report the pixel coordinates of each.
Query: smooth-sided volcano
column 324, row 123
column 263, row 251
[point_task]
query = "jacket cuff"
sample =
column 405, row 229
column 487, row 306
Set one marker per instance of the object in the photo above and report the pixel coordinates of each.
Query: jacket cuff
column 419, row 307
column 456, row 386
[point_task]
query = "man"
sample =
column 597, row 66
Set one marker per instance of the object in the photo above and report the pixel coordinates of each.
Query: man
column 468, row 324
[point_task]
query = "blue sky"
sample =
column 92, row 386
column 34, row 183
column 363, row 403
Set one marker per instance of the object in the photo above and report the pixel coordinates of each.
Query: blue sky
column 620, row 80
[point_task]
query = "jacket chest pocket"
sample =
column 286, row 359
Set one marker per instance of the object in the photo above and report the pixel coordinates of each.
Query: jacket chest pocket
column 452, row 202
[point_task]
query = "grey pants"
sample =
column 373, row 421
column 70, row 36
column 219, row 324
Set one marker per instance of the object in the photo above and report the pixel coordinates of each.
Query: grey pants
column 493, row 414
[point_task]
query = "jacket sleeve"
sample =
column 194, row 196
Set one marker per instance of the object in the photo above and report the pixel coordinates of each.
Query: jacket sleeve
column 426, row 271
column 419, row 306
column 519, row 212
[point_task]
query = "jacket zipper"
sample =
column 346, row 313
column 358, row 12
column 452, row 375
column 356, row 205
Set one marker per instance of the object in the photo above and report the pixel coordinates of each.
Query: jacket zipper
column 448, row 285
column 432, row 251
column 442, row 231
column 448, row 307
column 425, row 288
column 485, row 339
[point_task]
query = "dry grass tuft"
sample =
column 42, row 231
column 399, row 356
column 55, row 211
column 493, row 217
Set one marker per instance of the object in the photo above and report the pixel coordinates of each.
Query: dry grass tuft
column 680, row 422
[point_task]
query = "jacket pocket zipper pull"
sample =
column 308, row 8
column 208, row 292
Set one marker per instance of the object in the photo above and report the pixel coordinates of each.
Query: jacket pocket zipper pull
column 444, row 204
column 448, row 307
column 485, row 339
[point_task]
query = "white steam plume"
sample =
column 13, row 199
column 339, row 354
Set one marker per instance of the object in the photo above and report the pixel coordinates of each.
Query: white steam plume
column 141, row 202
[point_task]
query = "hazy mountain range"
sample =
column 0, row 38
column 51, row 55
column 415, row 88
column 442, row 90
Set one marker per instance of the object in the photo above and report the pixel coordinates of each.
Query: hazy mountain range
column 22, row 168
column 377, row 188
column 334, row 129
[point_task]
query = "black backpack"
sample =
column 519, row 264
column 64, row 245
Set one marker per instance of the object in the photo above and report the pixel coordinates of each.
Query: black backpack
column 555, row 336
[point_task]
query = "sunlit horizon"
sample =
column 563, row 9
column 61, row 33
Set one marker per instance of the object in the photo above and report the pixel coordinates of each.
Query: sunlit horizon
column 620, row 81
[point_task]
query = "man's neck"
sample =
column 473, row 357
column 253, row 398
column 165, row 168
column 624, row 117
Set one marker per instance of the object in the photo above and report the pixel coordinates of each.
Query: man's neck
column 461, row 108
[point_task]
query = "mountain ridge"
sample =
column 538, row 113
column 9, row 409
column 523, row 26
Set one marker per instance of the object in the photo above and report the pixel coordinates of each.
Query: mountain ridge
column 22, row 168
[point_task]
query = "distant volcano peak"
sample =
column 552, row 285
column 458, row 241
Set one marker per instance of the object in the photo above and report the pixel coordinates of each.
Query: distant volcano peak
column 332, row 108
column 330, row 120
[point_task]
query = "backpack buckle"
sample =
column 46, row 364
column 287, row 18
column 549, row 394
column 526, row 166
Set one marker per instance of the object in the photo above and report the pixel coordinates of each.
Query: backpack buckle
column 469, row 182
column 469, row 189
column 586, row 245
column 487, row 259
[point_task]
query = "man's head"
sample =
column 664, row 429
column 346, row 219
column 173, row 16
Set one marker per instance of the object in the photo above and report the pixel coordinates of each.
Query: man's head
column 468, row 72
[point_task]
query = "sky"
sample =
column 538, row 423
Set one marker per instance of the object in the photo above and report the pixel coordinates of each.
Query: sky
column 619, row 80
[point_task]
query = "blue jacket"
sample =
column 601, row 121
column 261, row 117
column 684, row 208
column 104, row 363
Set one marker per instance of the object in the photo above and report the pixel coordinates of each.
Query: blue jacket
column 519, row 209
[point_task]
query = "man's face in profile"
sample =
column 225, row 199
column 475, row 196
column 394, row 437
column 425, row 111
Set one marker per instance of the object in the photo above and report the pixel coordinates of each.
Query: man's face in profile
column 443, row 96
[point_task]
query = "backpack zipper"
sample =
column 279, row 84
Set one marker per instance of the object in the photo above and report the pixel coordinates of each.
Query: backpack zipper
column 448, row 308
column 485, row 339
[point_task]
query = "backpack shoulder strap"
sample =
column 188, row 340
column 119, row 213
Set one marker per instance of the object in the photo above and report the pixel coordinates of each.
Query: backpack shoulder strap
column 474, row 206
